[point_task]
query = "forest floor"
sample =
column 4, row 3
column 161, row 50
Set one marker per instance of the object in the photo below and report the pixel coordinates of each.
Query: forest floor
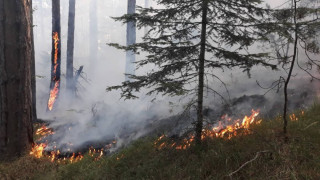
column 263, row 154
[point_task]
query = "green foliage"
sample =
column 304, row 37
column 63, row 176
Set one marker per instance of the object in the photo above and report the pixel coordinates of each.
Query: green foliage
column 173, row 43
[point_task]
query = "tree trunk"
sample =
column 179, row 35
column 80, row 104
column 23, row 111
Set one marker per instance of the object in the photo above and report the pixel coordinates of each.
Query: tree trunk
column 285, row 108
column 55, row 55
column 146, row 5
column 70, row 47
column 93, row 34
column 33, row 73
column 131, row 39
column 199, row 124
column 16, row 53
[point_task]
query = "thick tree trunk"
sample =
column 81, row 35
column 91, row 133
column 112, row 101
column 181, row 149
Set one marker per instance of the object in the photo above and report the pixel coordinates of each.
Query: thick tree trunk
column 16, row 53
column 131, row 39
column 55, row 55
column 285, row 108
column 199, row 123
column 70, row 46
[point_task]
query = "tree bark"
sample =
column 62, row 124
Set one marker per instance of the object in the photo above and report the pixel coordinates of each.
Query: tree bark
column 131, row 39
column 199, row 123
column 55, row 54
column 70, row 47
column 285, row 108
column 16, row 56
column 93, row 34
column 33, row 71
column 146, row 5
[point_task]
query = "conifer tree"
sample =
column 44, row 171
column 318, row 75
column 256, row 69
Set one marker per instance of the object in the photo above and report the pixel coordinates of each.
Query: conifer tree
column 190, row 39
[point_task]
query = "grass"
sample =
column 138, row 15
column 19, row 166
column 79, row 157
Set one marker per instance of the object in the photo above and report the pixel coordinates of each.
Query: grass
column 297, row 157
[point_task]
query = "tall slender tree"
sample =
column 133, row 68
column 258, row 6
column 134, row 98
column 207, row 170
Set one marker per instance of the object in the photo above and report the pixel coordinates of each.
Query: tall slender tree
column 16, row 59
column 93, row 32
column 298, row 28
column 189, row 40
column 70, row 46
column 55, row 55
column 131, row 39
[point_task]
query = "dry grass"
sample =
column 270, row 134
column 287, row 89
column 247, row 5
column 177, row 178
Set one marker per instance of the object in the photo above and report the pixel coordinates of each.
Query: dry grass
column 294, row 157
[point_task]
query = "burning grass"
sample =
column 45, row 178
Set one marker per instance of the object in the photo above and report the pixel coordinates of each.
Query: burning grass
column 297, row 158
column 39, row 149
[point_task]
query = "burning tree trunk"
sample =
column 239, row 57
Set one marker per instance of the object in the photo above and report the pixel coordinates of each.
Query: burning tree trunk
column 70, row 48
column 199, row 124
column 131, row 39
column 16, row 56
column 55, row 55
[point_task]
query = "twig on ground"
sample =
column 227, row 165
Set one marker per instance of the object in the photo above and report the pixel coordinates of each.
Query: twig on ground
column 246, row 163
column 314, row 123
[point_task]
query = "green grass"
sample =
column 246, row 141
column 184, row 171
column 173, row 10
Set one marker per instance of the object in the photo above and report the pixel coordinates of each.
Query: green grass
column 297, row 157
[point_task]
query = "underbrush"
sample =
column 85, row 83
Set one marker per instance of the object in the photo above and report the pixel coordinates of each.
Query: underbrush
column 263, row 154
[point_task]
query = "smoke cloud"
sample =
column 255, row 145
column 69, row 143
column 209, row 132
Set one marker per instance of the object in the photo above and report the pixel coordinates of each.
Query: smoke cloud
column 96, row 115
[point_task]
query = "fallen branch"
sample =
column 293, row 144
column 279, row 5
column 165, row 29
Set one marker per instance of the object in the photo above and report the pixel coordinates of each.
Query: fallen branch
column 78, row 73
column 246, row 163
column 314, row 123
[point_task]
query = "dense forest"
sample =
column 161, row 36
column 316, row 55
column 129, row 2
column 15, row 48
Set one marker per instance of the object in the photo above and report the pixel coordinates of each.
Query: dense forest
column 159, row 89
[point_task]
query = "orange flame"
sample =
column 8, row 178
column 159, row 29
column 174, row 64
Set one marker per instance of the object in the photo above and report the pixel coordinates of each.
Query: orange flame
column 53, row 95
column 224, row 129
column 56, row 49
column 38, row 150
column 55, row 90
column 44, row 131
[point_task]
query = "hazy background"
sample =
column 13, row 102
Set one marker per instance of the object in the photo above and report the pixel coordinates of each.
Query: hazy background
column 97, row 114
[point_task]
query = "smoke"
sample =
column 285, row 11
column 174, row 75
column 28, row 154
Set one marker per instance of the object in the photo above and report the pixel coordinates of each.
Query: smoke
column 100, row 116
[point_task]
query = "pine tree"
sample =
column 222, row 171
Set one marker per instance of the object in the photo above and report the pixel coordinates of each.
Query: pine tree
column 188, row 40
column 55, row 55
column 70, row 47
column 16, row 61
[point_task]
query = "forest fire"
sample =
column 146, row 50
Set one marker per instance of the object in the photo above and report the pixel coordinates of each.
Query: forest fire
column 39, row 149
column 227, row 128
column 53, row 95
column 56, row 49
column 55, row 74
column 44, row 131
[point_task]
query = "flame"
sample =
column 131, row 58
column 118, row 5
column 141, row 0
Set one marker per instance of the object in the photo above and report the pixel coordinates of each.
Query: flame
column 56, row 40
column 44, row 131
column 53, row 95
column 55, row 90
column 226, row 128
column 293, row 117
column 38, row 150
